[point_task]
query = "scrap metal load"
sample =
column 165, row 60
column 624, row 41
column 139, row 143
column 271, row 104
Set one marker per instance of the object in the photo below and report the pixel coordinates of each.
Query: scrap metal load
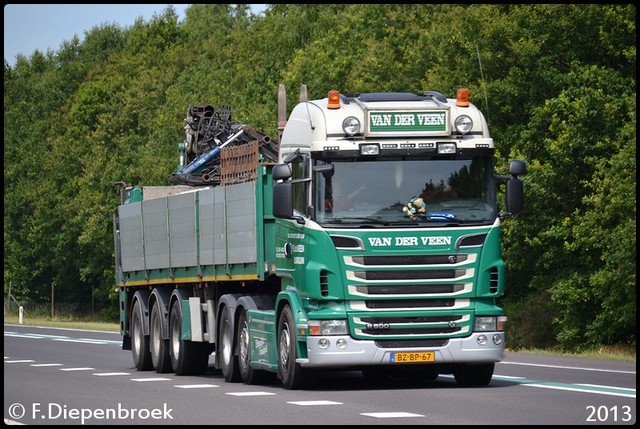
column 211, row 137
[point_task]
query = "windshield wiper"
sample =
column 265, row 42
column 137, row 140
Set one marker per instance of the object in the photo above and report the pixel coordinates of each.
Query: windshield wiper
column 350, row 219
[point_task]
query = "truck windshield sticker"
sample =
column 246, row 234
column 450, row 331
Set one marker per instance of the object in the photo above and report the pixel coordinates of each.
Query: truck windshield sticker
column 393, row 122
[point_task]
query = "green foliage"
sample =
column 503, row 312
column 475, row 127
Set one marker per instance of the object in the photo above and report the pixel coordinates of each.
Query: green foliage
column 556, row 83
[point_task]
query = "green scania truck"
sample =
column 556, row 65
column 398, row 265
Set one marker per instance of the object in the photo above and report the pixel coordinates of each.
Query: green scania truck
column 366, row 238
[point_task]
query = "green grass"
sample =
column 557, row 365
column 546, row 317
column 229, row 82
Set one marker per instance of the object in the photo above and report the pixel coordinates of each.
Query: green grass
column 618, row 353
column 66, row 322
column 624, row 353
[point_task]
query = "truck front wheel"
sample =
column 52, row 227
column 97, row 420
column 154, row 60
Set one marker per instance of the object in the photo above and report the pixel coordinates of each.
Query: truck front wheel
column 292, row 375
column 474, row 375
column 139, row 341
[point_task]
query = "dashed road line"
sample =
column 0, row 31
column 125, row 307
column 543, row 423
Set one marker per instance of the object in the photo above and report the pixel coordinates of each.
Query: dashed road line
column 250, row 393
column 307, row 403
column 78, row 369
column 195, row 386
column 150, row 379
column 391, row 415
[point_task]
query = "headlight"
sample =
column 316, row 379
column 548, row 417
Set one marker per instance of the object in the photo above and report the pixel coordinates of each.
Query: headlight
column 328, row 327
column 369, row 149
column 351, row 126
column 486, row 323
column 464, row 124
column 447, row 148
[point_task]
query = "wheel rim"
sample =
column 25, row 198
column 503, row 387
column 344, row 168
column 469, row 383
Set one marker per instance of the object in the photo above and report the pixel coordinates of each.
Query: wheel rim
column 244, row 345
column 155, row 337
column 285, row 342
column 226, row 343
column 137, row 341
column 175, row 340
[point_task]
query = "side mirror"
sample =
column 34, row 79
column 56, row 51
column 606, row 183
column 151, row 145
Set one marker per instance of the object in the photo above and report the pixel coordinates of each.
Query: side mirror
column 281, row 172
column 514, row 188
column 283, row 198
column 517, row 167
column 515, row 195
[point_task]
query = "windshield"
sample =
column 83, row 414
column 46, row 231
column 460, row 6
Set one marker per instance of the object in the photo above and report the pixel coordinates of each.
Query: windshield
column 405, row 192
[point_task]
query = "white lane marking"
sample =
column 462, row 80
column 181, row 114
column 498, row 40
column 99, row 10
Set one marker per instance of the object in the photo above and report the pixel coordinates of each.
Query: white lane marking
column 305, row 403
column 607, row 387
column 46, row 364
column 391, row 415
column 61, row 338
column 547, row 386
column 567, row 367
column 81, row 340
column 151, row 379
column 250, row 393
column 195, row 386
column 78, row 369
column 572, row 387
column 108, row 374
column 19, row 361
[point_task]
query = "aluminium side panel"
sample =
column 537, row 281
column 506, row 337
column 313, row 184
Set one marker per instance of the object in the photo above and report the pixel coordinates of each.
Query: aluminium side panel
column 132, row 250
column 183, row 230
column 219, row 227
column 156, row 236
column 206, row 220
column 241, row 223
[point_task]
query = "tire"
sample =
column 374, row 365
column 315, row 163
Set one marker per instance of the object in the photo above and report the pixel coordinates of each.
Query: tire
column 187, row 358
column 247, row 374
column 158, row 346
column 228, row 358
column 291, row 374
column 474, row 375
column 139, row 341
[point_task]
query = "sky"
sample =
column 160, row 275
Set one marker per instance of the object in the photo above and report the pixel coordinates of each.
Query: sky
column 31, row 27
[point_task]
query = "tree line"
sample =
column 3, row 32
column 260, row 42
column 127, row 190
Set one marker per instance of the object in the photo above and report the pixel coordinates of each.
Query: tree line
column 556, row 83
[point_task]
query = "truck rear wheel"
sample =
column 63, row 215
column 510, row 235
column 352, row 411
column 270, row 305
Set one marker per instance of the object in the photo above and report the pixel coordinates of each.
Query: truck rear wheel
column 228, row 358
column 187, row 358
column 292, row 375
column 139, row 341
column 159, row 347
column 474, row 375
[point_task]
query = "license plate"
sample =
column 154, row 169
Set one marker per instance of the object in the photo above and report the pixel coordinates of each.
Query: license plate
column 413, row 357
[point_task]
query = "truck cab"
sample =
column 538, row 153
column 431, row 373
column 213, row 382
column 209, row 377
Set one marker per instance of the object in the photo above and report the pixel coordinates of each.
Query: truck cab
column 389, row 228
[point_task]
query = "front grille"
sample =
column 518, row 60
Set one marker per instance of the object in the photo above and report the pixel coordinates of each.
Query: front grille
column 409, row 274
column 411, row 300
column 391, row 344
column 408, row 319
column 409, row 327
column 413, row 303
column 412, row 331
column 409, row 289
